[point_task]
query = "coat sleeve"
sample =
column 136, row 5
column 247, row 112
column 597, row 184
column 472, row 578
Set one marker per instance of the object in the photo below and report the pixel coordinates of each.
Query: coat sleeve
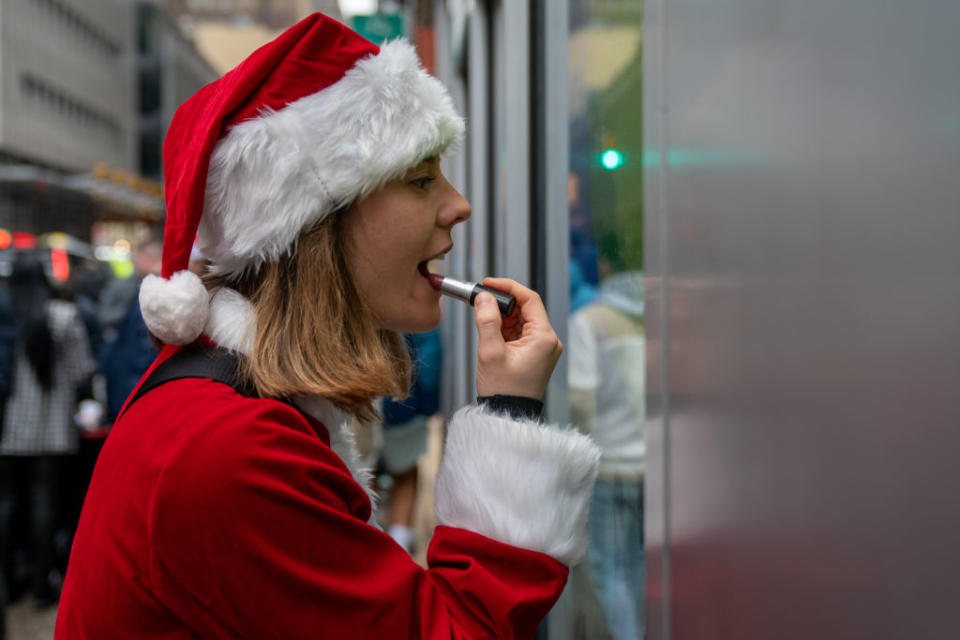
column 259, row 531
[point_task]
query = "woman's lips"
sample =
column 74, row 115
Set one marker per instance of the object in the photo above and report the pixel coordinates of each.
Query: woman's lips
column 424, row 265
column 435, row 280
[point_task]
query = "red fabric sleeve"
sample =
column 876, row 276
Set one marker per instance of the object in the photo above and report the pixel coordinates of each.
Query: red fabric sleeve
column 257, row 530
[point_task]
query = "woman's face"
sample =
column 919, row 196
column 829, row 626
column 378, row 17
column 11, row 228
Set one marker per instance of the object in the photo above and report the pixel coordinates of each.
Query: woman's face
column 391, row 235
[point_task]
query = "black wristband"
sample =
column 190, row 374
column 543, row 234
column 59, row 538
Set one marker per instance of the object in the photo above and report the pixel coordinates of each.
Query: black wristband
column 517, row 407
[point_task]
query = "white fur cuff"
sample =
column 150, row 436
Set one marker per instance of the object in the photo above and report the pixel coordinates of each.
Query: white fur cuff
column 518, row 482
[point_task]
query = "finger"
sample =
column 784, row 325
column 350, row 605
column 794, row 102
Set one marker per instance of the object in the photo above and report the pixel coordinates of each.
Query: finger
column 488, row 319
column 511, row 330
column 528, row 301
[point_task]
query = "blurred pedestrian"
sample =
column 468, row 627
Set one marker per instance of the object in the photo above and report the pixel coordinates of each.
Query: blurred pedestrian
column 52, row 356
column 87, row 281
column 8, row 333
column 128, row 349
column 227, row 501
column 606, row 391
column 120, row 293
column 84, row 287
column 582, row 292
column 405, row 432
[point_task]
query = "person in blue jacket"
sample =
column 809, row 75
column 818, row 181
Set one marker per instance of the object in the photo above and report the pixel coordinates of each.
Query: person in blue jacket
column 405, row 432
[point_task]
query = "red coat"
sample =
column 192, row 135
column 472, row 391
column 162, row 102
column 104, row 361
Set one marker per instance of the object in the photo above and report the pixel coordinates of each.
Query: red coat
column 214, row 515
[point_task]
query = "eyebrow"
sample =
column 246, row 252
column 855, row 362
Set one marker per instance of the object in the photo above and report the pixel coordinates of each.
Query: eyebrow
column 423, row 165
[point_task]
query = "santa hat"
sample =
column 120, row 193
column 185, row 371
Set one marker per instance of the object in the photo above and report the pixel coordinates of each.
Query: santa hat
column 303, row 127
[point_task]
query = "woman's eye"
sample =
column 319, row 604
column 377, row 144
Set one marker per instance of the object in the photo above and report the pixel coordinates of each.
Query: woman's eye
column 422, row 183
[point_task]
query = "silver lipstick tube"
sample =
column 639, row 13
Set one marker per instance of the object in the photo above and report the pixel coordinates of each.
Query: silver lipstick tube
column 458, row 289
column 467, row 291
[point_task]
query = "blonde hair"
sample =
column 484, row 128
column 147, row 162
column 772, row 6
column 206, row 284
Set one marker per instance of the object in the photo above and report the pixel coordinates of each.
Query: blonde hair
column 315, row 335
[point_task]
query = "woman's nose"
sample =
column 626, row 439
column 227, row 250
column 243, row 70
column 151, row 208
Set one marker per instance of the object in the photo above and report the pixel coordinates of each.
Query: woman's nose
column 455, row 208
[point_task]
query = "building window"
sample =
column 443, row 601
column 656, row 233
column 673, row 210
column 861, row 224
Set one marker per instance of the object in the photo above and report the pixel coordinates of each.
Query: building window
column 76, row 23
column 41, row 93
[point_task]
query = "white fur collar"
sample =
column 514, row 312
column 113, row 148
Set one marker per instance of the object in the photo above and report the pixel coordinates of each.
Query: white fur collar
column 341, row 441
column 232, row 325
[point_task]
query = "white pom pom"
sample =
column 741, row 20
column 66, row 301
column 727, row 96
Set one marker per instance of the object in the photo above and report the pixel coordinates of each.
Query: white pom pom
column 175, row 310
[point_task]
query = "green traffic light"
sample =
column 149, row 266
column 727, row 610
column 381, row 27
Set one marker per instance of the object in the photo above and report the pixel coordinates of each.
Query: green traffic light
column 611, row 159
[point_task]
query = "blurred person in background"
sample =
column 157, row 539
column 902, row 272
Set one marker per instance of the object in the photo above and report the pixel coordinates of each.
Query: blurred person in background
column 8, row 333
column 606, row 391
column 87, row 281
column 119, row 294
column 405, row 432
column 582, row 292
column 52, row 356
column 127, row 349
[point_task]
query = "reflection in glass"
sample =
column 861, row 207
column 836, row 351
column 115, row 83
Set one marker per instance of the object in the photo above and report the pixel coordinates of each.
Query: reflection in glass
column 606, row 333
column 606, row 391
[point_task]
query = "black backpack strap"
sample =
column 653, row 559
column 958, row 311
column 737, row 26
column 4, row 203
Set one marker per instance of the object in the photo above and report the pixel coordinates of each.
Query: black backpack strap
column 213, row 363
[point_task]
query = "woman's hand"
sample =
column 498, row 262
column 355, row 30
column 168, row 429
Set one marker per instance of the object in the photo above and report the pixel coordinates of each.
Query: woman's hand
column 516, row 355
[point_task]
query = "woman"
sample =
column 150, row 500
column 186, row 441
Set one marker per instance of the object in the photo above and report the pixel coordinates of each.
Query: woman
column 235, row 509
column 52, row 357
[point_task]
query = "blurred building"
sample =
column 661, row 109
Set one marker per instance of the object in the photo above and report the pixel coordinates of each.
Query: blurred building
column 227, row 31
column 68, row 102
column 69, row 94
column 87, row 90
column 272, row 14
column 171, row 69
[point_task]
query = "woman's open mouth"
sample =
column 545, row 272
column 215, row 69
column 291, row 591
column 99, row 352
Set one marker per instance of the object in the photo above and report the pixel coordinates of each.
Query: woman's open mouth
column 424, row 266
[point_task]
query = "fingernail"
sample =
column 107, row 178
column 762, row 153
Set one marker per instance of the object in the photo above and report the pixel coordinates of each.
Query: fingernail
column 484, row 299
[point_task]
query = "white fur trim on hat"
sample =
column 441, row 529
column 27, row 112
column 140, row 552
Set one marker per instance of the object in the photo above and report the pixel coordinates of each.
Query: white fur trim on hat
column 519, row 482
column 174, row 310
column 274, row 176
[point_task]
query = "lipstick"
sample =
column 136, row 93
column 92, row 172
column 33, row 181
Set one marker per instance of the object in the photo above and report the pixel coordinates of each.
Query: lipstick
column 467, row 291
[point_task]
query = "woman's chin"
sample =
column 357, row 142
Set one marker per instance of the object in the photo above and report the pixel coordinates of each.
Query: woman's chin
column 418, row 320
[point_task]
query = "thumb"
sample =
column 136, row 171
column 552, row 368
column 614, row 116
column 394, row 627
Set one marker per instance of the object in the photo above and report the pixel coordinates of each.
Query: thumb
column 488, row 325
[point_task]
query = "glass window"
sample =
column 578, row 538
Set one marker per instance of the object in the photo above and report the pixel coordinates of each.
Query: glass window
column 605, row 343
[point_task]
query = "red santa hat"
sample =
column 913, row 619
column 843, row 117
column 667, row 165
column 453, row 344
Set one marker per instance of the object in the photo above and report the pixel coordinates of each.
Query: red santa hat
column 306, row 125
